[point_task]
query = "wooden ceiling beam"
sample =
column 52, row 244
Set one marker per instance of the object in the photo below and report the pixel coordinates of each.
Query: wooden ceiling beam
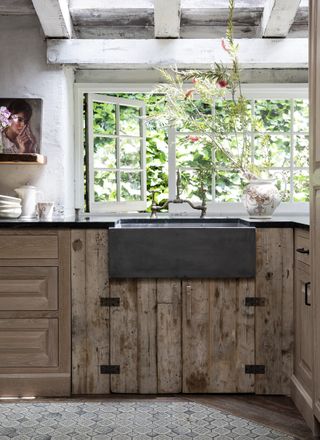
column 183, row 53
column 277, row 17
column 54, row 18
column 167, row 15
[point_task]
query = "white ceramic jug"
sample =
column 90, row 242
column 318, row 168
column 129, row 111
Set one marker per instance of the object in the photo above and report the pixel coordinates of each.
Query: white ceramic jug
column 28, row 194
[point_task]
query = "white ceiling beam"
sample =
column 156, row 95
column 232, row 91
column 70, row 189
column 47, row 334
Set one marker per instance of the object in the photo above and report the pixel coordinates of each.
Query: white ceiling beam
column 277, row 17
column 147, row 54
column 167, row 15
column 54, row 17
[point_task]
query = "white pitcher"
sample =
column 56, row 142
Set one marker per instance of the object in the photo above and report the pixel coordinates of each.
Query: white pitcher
column 28, row 194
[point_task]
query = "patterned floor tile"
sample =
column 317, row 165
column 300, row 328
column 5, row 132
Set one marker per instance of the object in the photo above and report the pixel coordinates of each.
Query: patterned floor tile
column 123, row 420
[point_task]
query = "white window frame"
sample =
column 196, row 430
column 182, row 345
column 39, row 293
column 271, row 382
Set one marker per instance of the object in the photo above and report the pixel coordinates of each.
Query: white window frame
column 110, row 206
column 250, row 91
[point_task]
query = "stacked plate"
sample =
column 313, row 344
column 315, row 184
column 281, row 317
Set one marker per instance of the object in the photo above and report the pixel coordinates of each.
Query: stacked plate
column 10, row 207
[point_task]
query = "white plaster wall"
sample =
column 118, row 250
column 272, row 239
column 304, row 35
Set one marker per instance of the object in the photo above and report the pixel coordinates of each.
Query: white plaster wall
column 24, row 73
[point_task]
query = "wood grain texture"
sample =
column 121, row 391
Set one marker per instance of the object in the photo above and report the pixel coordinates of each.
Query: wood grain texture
column 218, row 336
column 274, row 321
column 79, row 323
column 37, row 331
column 29, row 343
column 133, row 336
column 169, row 336
column 303, row 361
column 91, row 322
column 28, row 288
column 124, row 337
column 147, row 336
column 25, row 246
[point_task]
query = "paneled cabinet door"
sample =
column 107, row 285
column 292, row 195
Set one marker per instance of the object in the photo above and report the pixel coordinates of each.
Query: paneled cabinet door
column 303, row 329
column 217, row 335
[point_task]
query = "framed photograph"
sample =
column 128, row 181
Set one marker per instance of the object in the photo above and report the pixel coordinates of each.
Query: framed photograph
column 20, row 125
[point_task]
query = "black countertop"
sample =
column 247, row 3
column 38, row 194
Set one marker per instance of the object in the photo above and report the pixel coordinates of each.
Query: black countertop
column 91, row 222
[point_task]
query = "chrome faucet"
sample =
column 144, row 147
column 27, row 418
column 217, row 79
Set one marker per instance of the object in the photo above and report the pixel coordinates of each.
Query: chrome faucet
column 155, row 208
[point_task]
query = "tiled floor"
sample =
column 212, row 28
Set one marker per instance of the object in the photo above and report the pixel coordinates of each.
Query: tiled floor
column 126, row 420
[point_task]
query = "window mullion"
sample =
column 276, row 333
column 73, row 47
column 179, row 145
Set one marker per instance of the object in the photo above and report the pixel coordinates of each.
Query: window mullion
column 118, row 151
column 292, row 147
column 172, row 161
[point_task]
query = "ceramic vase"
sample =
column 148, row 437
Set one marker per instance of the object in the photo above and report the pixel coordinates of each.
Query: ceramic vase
column 261, row 198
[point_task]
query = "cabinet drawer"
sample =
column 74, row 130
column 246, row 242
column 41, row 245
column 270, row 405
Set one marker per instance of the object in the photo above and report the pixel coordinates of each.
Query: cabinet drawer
column 28, row 343
column 28, row 288
column 302, row 247
column 25, row 246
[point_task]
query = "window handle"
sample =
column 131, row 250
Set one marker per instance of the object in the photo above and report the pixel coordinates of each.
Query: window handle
column 306, row 285
column 303, row 251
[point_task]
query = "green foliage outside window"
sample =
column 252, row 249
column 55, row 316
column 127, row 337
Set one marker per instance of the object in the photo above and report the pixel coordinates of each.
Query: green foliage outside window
column 283, row 124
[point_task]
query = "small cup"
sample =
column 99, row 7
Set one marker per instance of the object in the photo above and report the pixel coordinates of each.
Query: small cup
column 45, row 210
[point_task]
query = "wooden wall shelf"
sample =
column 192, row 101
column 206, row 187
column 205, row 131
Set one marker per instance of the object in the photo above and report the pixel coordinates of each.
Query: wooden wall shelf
column 27, row 158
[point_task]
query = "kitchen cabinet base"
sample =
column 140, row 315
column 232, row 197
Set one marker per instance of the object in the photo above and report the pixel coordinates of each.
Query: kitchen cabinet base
column 303, row 402
column 35, row 385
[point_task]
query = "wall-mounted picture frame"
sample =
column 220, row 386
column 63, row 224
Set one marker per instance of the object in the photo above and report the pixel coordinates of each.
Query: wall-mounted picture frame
column 20, row 126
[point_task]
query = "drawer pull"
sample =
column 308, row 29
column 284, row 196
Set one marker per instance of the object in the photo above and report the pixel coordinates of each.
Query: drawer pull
column 303, row 251
column 306, row 285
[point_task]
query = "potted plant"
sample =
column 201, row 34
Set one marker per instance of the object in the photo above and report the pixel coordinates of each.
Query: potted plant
column 230, row 137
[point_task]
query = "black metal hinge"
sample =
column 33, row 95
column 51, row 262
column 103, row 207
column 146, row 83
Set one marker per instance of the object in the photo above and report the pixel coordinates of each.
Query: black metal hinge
column 252, row 301
column 109, row 302
column 255, row 369
column 109, row 369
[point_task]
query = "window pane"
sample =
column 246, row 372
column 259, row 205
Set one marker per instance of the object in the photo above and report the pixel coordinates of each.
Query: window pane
column 157, row 164
column 194, row 111
column 130, row 186
column 301, row 115
column 104, row 118
column 239, row 111
column 229, row 187
column 129, row 120
column 273, row 115
column 104, row 152
column 191, row 185
column 233, row 145
column 301, row 186
column 193, row 151
column 105, row 186
column 272, row 150
column 301, row 151
column 130, row 153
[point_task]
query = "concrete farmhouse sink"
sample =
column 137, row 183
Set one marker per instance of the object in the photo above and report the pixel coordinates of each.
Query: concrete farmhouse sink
column 182, row 248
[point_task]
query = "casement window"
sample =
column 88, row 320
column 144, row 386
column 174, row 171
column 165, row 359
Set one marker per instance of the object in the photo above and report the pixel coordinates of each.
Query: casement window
column 126, row 158
column 115, row 147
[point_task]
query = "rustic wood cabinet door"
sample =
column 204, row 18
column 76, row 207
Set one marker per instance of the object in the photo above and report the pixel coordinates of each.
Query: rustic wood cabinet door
column 217, row 335
column 145, row 336
column 303, row 330
column 314, row 98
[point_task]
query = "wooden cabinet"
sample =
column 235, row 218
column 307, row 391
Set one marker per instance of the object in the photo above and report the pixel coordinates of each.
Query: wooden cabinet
column 35, row 328
column 172, row 336
column 302, row 379
column 217, row 336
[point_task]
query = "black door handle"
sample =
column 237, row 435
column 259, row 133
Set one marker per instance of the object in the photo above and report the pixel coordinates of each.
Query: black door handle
column 306, row 285
column 303, row 251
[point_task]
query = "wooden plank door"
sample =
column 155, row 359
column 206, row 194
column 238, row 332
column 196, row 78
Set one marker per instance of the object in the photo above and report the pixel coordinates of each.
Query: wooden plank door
column 90, row 321
column 133, row 336
column 145, row 336
column 314, row 98
column 274, row 321
column 218, row 336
